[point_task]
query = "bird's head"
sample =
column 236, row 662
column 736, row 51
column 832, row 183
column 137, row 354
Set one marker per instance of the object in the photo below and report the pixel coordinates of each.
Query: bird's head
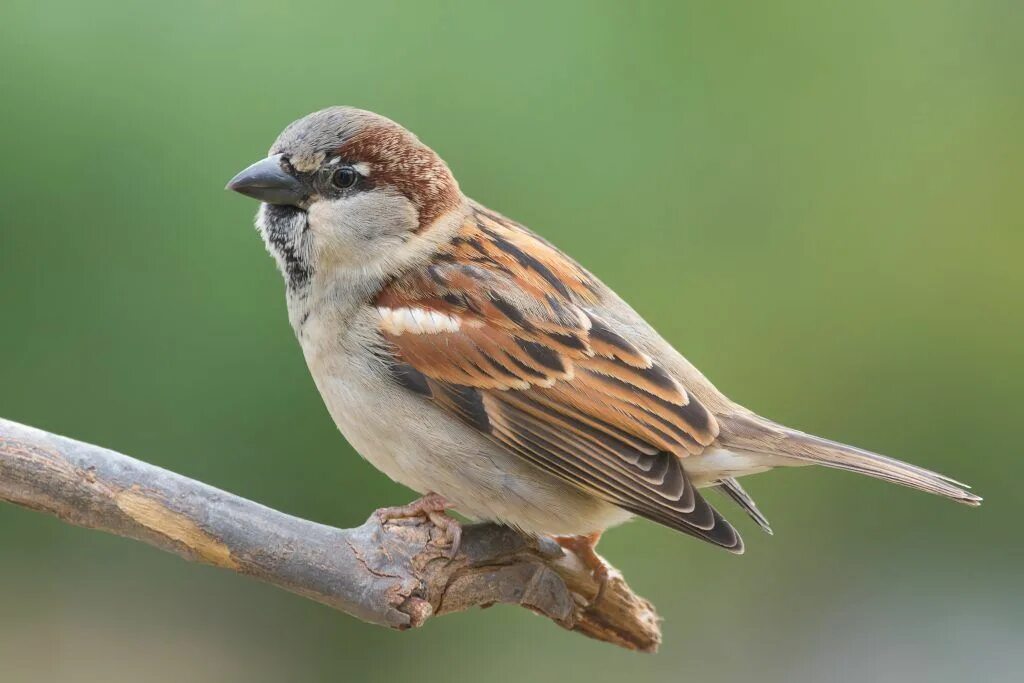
column 347, row 187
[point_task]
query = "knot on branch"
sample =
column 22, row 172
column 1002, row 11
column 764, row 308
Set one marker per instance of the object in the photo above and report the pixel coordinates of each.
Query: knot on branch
column 495, row 564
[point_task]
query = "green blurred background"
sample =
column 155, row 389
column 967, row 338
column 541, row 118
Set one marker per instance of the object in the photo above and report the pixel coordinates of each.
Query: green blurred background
column 819, row 203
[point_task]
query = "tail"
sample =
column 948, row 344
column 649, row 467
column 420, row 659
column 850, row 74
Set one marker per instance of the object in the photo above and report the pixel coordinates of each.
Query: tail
column 752, row 433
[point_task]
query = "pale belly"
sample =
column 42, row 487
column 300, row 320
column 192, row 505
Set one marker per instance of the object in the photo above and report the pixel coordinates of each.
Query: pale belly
column 414, row 443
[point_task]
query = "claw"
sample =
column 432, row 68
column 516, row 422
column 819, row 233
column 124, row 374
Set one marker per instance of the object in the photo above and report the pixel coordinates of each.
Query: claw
column 430, row 507
column 584, row 548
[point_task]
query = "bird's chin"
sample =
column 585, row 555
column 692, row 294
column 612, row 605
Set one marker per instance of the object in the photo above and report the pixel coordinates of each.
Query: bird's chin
column 282, row 211
column 280, row 221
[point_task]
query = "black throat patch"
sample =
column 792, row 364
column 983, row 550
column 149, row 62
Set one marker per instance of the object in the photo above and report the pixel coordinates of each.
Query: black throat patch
column 283, row 228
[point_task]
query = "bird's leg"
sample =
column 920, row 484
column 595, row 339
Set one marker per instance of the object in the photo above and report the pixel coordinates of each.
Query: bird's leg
column 430, row 507
column 584, row 548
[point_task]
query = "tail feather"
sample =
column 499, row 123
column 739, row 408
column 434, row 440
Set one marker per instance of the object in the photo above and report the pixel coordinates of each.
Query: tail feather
column 759, row 435
column 731, row 488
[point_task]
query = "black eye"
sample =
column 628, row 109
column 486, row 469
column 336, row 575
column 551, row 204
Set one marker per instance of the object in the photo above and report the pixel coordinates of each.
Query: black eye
column 344, row 177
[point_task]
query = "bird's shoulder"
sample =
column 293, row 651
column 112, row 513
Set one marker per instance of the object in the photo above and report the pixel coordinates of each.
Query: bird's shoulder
column 499, row 315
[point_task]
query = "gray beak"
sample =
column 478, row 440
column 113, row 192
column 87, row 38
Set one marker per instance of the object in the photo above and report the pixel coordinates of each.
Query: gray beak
column 268, row 182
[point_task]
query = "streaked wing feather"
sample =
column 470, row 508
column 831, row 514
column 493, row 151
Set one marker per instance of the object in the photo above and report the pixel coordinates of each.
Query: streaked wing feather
column 501, row 330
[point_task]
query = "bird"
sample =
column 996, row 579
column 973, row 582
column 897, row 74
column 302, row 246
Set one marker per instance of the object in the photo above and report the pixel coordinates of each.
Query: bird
column 472, row 361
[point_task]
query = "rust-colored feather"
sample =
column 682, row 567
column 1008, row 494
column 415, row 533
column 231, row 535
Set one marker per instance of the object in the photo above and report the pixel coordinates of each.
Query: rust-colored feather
column 501, row 330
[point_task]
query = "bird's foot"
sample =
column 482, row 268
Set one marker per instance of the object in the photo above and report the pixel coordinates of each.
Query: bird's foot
column 430, row 507
column 583, row 547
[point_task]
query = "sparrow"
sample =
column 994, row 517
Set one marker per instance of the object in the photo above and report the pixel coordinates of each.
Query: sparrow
column 470, row 360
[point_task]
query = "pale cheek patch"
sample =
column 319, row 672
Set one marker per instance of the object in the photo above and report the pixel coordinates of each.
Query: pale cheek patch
column 399, row 321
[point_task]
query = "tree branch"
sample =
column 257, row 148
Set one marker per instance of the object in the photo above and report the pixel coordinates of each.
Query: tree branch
column 394, row 575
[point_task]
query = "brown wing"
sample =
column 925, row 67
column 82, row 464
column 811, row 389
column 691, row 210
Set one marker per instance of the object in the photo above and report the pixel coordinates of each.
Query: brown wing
column 501, row 329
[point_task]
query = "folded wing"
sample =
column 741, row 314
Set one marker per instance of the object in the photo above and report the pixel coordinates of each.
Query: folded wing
column 502, row 330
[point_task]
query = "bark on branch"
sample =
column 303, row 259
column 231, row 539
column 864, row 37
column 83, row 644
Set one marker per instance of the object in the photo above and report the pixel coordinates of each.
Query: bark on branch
column 394, row 575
